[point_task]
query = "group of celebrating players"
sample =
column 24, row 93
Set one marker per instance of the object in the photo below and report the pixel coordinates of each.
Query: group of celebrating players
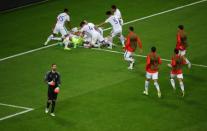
column 91, row 36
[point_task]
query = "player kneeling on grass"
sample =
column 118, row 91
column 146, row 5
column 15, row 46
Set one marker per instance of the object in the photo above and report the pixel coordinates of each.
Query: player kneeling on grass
column 52, row 78
column 176, row 64
column 130, row 46
column 153, row 61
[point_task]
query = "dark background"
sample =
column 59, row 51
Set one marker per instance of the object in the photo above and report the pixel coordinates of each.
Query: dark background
column 10, row 4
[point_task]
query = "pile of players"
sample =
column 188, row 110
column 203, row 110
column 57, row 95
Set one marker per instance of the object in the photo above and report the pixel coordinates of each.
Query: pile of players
column 88, row 35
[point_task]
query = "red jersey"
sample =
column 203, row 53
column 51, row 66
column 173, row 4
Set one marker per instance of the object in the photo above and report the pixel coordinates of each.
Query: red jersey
column 177, row 62
column 181, row 40
column 132, row 41
column 153, row 61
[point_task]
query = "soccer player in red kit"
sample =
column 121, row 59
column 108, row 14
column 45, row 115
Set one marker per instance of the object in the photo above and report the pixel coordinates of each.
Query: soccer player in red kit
column 131, row 43
column 182, row 43
column 176, row 72
column 152, row 65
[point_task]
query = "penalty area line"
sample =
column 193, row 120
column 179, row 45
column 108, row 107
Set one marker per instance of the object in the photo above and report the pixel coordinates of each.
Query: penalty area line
column 143, row 56
column 26, row 109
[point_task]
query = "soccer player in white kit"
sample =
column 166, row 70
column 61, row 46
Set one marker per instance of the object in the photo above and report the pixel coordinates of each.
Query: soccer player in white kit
column 92, row 33
column 117, row 13
column 116, row 27
column 62, row 19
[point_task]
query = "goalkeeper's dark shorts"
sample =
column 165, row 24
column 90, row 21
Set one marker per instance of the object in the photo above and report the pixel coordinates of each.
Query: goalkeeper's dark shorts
column 51, row 94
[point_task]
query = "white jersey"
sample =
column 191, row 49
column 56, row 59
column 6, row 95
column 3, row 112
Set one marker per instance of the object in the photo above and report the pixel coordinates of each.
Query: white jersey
column 114, row 21
column 62, row 18
column 117, row 13
column 89, row 29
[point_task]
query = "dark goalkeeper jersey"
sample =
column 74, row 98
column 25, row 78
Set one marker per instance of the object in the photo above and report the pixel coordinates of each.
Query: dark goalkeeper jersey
column 53, row 76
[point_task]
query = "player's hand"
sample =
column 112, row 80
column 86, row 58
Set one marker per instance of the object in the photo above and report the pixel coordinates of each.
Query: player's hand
column 51, row 83
column 57, row 90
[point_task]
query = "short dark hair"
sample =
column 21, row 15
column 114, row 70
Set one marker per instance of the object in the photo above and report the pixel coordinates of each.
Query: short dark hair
column 82, row 23
column 113, row 7
column 131, row 28
column 65, row 10
column 176, row 51
column 181, row 27
column 153, row 49
column 53, row 64
column 108, row 13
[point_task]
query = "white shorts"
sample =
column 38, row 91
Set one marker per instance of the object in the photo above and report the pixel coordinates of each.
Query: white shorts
column 153, row 76
column 116, row 32
column 179, row 76
column 96, row 37
column 182, row 52
column 127, row 55
column 60, row 29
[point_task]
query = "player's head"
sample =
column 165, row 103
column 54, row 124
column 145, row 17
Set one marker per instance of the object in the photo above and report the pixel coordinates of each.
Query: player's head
column 176, row 51
column 108, row 13
column 85, row 21
column 53, row 67
column 113, row 8
column 82, row 23
column 131, row 28
column 153, row 49
column 181, row 27
column 66, row 10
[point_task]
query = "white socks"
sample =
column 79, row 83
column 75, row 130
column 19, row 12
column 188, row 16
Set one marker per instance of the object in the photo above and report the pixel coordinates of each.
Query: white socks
column 172, row 81
column 122, row 39
column 182, row 86
column 146, row 86
column 157, row 86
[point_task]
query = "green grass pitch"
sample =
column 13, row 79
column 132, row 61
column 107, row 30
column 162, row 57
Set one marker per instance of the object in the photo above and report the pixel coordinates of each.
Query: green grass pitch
column 98, row 93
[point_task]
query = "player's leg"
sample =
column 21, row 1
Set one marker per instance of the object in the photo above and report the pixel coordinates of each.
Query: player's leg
column 147, row 81
column 155, row 79
column 66, row 42
column 49, row 100
column 180, row 79
column 53, row 104
column 121, row 38
column 56, row 30
column 128, row 57
column 183, row 53
column 94, row 41
column 172, row 80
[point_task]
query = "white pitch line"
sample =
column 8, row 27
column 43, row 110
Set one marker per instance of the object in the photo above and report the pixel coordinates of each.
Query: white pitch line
column 26, row 109
column 144, row 56
column 143, row 18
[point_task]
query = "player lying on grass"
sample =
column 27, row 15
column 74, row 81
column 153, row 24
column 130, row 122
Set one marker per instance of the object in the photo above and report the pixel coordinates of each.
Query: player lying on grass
column 182, row 43
column 94, row 38
column 152, row 65
column 117, row 13
column 73, row 38
column 176, row 70
column 52, row 79
column 62, row 20
column 131, row 43
column 116, row 27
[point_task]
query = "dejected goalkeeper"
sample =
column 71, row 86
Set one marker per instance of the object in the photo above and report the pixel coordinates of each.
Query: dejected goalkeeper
column 52, row 78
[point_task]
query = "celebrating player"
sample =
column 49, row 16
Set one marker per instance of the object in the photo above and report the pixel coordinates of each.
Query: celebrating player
column 52, row 78
column 132, row 41
column 116, row 27
column 176, row 64
column 152, row 65
column 95, row 38
column 182, row 43
column 117, row 13
column 62, row 20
